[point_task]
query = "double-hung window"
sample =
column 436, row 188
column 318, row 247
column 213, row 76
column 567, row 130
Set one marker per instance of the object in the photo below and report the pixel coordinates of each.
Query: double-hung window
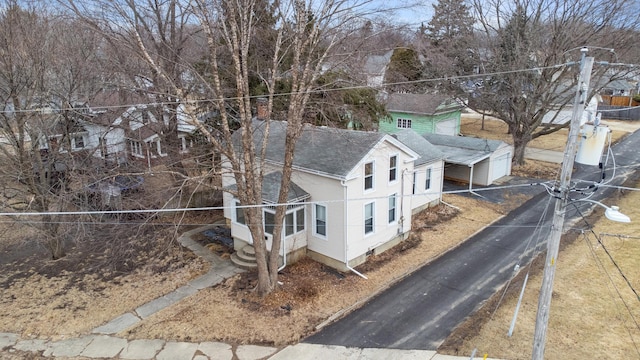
column 369, row 212
column 136, row 147
column 368, row 176
column 320, row 224
column 294, row 221
column 269, row 222
column 77, row 142
column 240, row 214
column 392, row 208
column 427, row 183
column 413, row 185
column 393, row 168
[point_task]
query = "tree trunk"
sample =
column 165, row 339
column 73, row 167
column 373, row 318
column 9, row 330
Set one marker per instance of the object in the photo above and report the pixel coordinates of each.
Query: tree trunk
column 519, row 148
column 55, row 242
column 56, row 248
column 520, row 141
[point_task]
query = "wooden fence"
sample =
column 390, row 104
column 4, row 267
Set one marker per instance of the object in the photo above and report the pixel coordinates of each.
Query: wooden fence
column 619, row 100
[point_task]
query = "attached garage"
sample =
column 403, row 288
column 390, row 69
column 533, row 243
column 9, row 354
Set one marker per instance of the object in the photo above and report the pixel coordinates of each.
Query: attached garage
column 473, row 160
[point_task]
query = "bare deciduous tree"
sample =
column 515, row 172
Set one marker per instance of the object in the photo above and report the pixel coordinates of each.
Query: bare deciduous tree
column 303, row 32
column 523, row 41
column 42, row 70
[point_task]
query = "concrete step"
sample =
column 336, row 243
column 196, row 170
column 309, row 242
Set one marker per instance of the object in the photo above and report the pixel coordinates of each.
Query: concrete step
column 241, row 263
column 250, row 258
column 249, row 251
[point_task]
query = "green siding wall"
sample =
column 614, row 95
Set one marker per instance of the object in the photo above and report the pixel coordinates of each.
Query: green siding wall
column 420, row 123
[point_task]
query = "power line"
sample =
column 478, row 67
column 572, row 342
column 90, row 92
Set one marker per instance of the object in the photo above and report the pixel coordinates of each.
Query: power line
column 302, row 203
column 601, row 266
column 316, row 91
column 545, row 184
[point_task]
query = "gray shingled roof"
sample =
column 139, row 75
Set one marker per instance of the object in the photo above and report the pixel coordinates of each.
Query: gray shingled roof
column 271, row 189
column 463, row 150
column 427, row 151
column 421, row 103
column 328, row 151
column 465, row 142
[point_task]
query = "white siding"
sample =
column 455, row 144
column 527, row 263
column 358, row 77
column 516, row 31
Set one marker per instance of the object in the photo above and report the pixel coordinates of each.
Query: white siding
column 423, row 197
column 114, row 141
column 358, row 242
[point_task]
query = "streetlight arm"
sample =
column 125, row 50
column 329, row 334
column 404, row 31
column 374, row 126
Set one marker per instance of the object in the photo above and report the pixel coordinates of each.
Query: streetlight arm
column 612, row 213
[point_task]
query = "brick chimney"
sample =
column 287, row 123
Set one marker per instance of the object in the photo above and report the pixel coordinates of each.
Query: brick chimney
column 262, row 108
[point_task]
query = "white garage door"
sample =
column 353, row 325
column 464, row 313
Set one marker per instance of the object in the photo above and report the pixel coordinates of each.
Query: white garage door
column 446, row 127
column 501, row 166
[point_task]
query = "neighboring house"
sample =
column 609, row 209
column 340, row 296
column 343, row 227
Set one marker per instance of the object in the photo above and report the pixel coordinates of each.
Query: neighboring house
column 473, row 160
column 423, row 113
column 134, row 133
column 375, row 67
column 64, row 136
column 352, row 192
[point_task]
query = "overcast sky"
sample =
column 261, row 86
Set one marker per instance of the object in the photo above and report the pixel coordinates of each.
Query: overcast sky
column 410, row 12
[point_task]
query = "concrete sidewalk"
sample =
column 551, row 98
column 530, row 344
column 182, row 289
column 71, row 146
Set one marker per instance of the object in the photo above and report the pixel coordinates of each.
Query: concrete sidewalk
column 110, row 347
column 543, row 155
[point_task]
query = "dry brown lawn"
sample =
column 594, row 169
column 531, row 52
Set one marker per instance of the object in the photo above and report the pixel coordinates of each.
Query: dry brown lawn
column 497, row 130
column 69, row 297
column 594, row 311
column 311, row 292
column 93, row 284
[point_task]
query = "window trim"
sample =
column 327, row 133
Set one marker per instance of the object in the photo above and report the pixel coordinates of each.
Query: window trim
column 372, row 218
column 371, row 175
column 403, row 123
column 264, row 221
column 393, row 197
column 315, row 220
column 393, row 170
column 236, row 208
column 294, row 221
column 135, row 147
column 74, row 142
column 414, row 183
column 427, row 182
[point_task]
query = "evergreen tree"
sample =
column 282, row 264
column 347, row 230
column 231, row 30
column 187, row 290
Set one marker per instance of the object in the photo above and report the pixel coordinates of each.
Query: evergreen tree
column 450, row 34
column 403, row 70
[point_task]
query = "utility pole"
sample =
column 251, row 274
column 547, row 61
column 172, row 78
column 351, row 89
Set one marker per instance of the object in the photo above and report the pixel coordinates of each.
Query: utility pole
column 553, row 242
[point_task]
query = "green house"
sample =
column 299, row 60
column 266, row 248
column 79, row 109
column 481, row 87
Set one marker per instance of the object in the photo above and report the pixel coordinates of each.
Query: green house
column 423, row 113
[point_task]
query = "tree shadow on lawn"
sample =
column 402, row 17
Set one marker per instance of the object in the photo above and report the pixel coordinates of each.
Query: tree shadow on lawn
column 104, row 254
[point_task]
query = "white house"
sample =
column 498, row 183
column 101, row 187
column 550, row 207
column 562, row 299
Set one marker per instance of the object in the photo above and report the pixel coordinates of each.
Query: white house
column 122, row 134
column 352, row 192
column 375, row 67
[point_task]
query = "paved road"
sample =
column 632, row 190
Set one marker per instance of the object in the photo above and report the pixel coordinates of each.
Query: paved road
column 423, row 309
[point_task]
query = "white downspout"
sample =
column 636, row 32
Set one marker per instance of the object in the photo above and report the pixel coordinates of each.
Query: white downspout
column 283, row 243
column 470, row 178
column 401, row 218
column 346, row 225
column 471, row 182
